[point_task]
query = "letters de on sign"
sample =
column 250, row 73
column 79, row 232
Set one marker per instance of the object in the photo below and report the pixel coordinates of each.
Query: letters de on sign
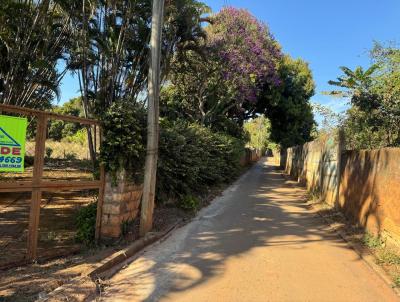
column 12, row 143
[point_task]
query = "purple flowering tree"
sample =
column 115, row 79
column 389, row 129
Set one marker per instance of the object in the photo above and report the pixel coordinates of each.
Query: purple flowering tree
column 247, row 53
column 219, row 83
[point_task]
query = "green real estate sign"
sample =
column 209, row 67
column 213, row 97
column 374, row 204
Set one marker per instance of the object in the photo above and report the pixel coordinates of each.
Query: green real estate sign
column 12, row 143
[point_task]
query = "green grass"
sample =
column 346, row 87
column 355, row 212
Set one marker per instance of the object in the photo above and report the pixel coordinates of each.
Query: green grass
column 385, row 256
column 372, row 241
column 396, row 281
column 388, row 257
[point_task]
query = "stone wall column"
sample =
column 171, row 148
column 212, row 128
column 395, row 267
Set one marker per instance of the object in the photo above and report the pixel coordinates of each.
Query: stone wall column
column 121, row 204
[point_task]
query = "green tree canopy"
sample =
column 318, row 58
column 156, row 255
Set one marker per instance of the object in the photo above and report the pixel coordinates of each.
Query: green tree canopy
column 33, row 38
column 373, row 120
column 59, row 129
column 259, row 132
column 287, row 106
column 218, row 84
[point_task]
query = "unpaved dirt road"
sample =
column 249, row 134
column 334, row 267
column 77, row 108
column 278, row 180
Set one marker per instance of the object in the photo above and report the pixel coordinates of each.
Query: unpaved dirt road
column 258, row 242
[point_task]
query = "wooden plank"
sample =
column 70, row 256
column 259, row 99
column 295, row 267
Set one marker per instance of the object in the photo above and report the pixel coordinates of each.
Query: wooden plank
column 49, row 186
column 33, row 230
column 69, row 185
column 50, row 115
column 34, row 214
column 22, row 186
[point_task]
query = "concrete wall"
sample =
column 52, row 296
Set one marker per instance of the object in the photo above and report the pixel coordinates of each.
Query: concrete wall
column 275, row 158
column 364, row 185
column 370, row 190
column 316, row 165
column 121, row 204
column 250, row 156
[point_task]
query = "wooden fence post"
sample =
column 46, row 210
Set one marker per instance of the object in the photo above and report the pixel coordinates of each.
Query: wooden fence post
column 34, row 215
column 100, row 202
column 38, row 184
column 100, row 199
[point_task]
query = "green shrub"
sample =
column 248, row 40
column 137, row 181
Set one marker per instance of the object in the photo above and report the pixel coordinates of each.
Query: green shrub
column 70, row 156
column 124, row 128
column 189, row 203
column 86, row 224
column 192, row 158
column 49, row 152
column 80, row 137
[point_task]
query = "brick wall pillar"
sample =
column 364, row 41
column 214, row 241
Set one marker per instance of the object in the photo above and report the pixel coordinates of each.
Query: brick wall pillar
column 121, row 204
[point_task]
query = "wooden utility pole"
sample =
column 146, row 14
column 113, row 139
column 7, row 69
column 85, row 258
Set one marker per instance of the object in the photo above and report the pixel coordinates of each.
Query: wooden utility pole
column 150, row 170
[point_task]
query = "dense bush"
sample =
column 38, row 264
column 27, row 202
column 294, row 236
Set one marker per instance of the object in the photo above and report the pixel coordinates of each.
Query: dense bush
column 49, row 152
column 373, row 119
column 124, row 128
column 192, row 158
column 86, row 224
column 189, row 203
column 59, row 129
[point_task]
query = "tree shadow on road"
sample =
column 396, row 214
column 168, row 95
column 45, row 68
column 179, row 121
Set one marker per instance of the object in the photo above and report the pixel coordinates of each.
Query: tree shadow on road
column 250, row 217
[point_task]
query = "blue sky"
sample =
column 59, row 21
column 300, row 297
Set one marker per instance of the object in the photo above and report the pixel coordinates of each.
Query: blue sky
column 327, row 34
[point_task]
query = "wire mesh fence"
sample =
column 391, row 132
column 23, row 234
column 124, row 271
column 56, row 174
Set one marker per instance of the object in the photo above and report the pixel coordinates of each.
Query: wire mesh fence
column 59, row 231
column 68, row 157
column 14, row 221
column 58, row 224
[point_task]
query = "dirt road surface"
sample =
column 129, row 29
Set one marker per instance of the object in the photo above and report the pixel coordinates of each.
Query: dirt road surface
column 257, row 242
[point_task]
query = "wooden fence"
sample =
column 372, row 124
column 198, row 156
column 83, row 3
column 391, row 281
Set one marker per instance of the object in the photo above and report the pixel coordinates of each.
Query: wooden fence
column 38, row 184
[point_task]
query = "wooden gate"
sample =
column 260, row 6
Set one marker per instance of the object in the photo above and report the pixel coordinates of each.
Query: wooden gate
column 37, row 183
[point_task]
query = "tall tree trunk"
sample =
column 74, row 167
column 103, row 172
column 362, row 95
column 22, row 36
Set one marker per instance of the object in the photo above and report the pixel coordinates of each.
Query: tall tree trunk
column 146, row 218
column 85, row 78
